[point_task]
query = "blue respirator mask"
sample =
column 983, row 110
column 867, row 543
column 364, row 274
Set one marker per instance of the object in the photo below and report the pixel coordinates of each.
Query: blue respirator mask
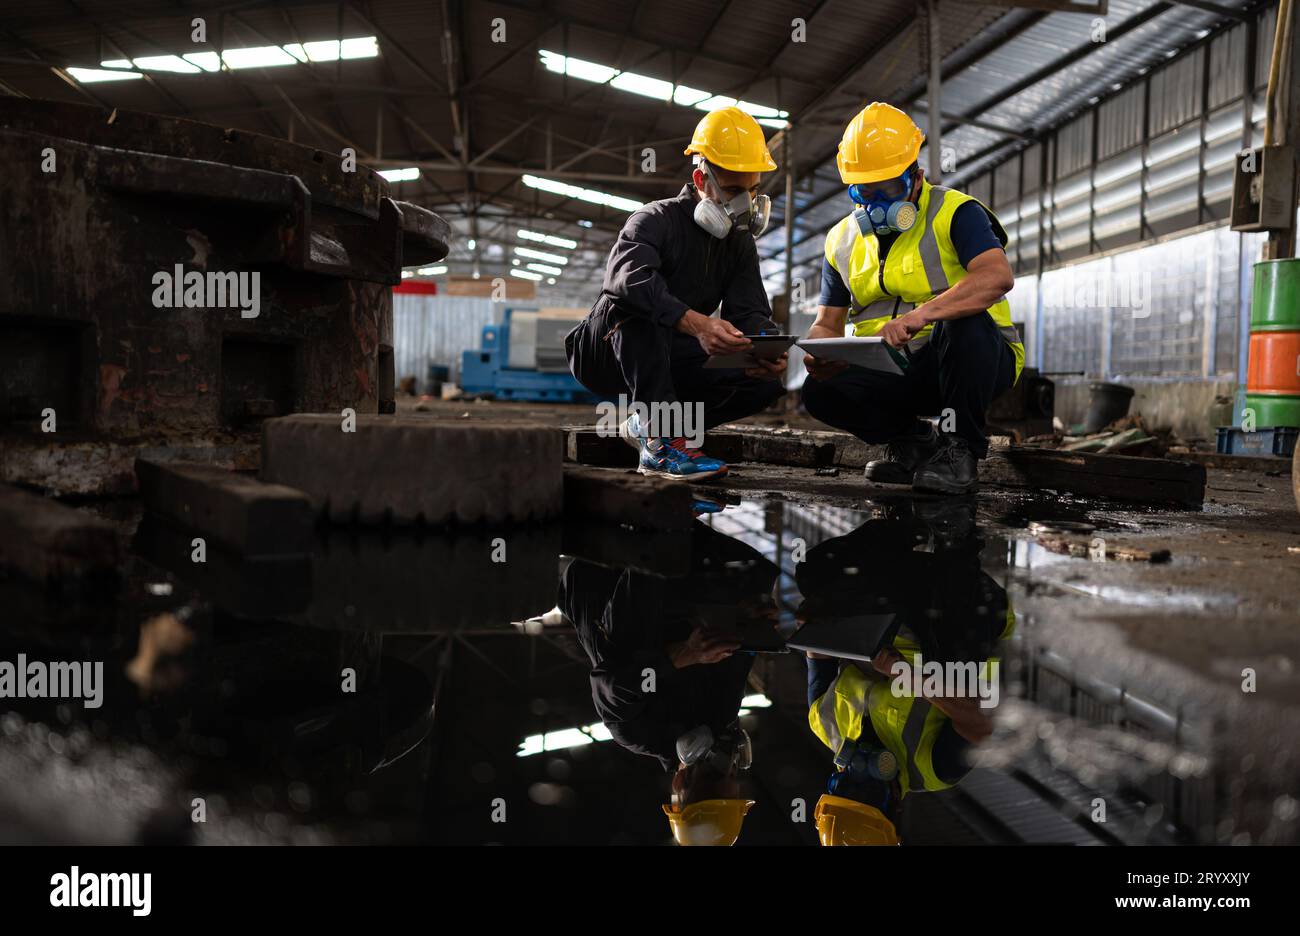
column 882, row 207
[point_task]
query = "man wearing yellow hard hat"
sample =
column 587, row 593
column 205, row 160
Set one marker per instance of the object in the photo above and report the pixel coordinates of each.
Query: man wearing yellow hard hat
column 923, row 267
column 890, row 739
column 676, row 260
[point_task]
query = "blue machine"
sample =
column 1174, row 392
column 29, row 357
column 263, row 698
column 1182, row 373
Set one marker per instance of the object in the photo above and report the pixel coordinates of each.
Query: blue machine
column 523, row 358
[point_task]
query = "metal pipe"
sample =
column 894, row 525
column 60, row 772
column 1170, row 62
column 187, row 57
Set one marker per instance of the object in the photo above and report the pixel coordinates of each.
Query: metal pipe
column 933, row 101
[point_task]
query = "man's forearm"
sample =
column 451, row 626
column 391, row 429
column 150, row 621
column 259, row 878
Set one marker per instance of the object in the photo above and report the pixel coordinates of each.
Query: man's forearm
column 829, row 323
column 971, row 296
column 691, row 322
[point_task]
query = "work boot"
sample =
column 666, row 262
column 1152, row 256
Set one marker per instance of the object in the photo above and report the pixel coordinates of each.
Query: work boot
column 950, row 470
column 949, row 523
column 674, row 460
column 902, row 457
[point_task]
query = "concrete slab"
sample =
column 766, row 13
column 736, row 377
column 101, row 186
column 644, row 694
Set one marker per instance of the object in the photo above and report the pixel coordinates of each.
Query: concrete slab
column 51, row 543
column 238, row 511
column 408, row 470
column 610, row 495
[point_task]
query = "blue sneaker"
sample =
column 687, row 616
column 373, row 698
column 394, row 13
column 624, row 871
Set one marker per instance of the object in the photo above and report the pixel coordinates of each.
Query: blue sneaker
column 672, row 459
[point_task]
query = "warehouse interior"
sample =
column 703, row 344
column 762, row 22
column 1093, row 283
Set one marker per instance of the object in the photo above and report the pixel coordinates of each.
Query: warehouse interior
column 356, row 559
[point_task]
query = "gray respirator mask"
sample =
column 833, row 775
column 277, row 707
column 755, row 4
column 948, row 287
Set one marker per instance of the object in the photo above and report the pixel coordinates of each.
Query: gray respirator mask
column 730, row 751
column 743, row 212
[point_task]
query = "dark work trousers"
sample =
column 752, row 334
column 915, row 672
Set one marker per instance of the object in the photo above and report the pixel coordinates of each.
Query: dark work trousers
column 612, row 353
column 964, row 366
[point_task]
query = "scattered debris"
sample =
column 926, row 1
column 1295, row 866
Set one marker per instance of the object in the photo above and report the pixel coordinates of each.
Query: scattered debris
column 1059, row 527
column 1088, row 549
column 1127, row 436
column 828, row 472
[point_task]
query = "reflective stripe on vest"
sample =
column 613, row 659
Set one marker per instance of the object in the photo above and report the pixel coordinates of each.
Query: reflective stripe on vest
column 917, row 268
column 908, row 727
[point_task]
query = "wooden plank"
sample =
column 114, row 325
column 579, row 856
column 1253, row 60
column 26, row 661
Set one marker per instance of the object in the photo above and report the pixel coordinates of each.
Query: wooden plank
column 1262, row 463
column 1118, row 477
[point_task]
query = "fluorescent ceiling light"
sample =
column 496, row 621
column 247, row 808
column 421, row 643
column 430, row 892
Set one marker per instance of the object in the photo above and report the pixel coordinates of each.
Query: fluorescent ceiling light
column 548, row 239
column 541, row 255
column 543, row 268
column 257, row 57
column 582, row 194
column 401, row 175
column 208, row 61
column 431, row 271
column 576, row 68
column 564, row 738
column 525, row 274
column 471, row 244
column 171, row 63
column 191, row 63
column 657, row 88
column 92, row 75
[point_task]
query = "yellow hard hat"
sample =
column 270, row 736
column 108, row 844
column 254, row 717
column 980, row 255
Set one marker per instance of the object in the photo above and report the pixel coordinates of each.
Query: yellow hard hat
column 879, row 143
column 843, row 821
column 708, row 822
column 732, row 139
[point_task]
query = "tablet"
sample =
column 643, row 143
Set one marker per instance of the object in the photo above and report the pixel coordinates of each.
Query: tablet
column 859, row 637
column 765, row 347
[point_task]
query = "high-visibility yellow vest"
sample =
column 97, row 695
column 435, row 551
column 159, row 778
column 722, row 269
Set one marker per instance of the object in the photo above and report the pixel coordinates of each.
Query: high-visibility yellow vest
column 907, row 726
column 921, row 263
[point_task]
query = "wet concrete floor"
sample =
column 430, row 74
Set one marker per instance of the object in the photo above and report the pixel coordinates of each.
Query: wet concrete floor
column 412, row 689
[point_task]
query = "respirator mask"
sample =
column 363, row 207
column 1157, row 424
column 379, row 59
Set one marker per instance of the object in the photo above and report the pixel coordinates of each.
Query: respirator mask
column 730, row 750
column 859, row 763
column 743, row 212
column 882, row 207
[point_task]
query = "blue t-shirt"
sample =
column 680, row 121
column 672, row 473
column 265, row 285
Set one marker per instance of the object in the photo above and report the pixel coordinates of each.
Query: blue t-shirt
column 972, row 234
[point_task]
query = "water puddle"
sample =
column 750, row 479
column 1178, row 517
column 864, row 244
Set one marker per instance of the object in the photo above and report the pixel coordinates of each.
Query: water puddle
column 590, row 685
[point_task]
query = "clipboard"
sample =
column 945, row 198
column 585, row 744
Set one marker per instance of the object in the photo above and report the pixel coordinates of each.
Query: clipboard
column 873, row 353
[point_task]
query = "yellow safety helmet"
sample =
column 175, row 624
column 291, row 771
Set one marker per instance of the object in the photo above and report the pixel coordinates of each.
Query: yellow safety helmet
column 708, row 822
column 843, row 821
column 879, row 143
column 733, row 140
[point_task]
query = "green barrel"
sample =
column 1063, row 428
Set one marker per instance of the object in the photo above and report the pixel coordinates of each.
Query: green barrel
column 1276, row 303
column 1274, row 410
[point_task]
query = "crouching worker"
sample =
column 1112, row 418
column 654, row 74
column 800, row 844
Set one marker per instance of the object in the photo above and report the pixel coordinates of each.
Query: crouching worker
column 923, row 267
column 649, row 334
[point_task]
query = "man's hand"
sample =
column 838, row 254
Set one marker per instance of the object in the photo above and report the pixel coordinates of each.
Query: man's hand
column 702, row 646
column 817, row 368
column 715, row 335
column 769, row 370
column 898, row 332
column 883, row 662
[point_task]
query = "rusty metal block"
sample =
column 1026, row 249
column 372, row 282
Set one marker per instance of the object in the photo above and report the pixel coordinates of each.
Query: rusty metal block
column 81, row 334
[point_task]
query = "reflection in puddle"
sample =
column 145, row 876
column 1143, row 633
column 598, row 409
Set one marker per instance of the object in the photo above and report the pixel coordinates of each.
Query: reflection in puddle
column 780, row 674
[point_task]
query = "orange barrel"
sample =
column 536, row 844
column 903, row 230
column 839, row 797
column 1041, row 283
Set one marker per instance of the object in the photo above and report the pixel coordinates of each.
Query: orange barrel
column 1274, row 367
column 1273, row 371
